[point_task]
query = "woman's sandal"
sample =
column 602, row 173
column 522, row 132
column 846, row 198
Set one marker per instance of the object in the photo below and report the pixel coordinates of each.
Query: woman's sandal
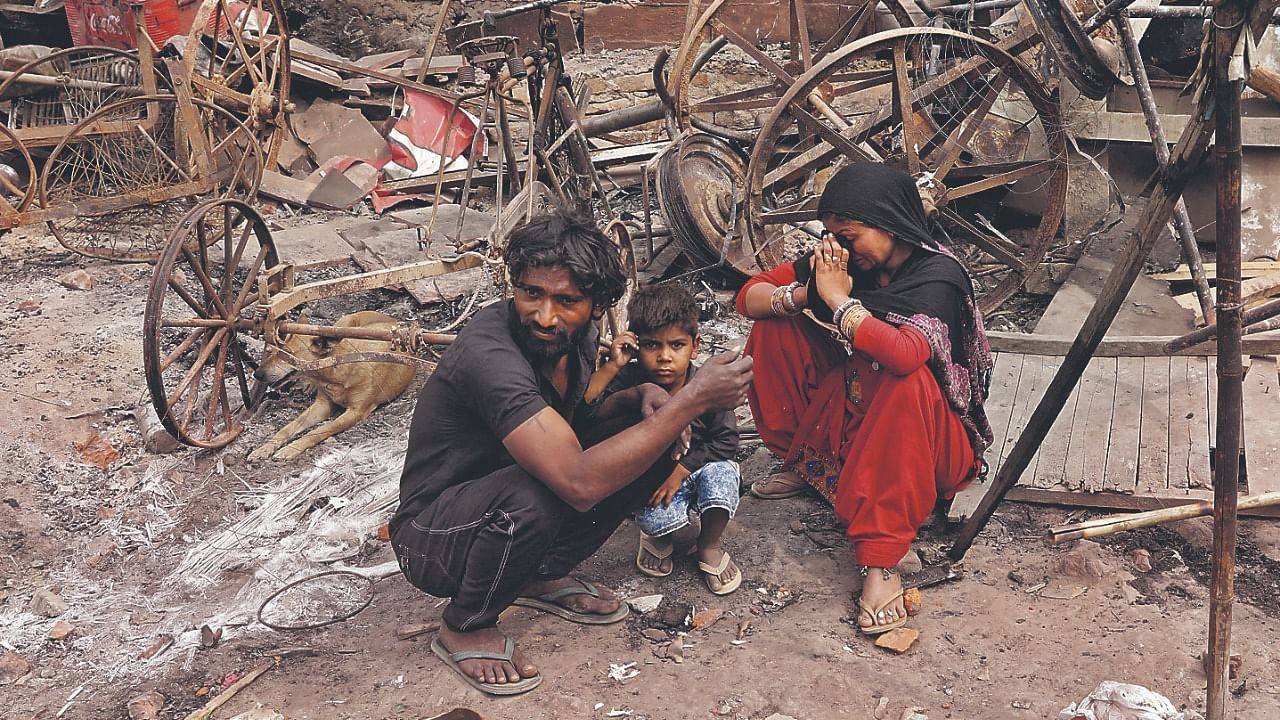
column 779, row 485
column 647, row 548
column 713, row 573
column 876, row 627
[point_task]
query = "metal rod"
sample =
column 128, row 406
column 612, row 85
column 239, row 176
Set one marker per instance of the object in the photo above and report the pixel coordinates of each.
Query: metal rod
column 430, row 50
column 1151, row 113
column 1228, row 84
column 1108, row 11
column 974, row 7
column 1169, row 183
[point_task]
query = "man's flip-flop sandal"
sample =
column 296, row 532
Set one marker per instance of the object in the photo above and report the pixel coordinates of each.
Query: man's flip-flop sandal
column 877, row 628
column 547, row 603
column 713, row 571
column 454, row 661
column 774, row 488
column 647, row 547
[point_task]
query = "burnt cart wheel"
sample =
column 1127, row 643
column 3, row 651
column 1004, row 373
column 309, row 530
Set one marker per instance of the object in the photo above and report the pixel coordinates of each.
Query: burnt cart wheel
column 17, row 178
column 971, row 123
column 128, row 172
column 725, row 78
column 198, row 349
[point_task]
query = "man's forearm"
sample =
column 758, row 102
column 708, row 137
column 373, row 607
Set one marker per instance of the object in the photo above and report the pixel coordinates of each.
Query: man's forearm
column 627, row 400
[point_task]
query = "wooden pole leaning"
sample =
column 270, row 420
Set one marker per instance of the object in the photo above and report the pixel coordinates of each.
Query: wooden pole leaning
column 1168, row 183
column 1112, row 524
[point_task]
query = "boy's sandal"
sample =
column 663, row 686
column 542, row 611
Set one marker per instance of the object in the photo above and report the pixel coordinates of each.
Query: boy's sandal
column 550, row 602
column 713, row 573
column 648, row 548
column 779, row 485
column 454, row 660
column 875, row 614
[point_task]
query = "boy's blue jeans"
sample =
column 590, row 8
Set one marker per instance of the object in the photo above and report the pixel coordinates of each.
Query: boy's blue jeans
column 714, row 485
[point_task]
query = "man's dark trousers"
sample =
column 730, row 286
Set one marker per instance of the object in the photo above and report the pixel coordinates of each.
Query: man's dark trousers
column 482, row 541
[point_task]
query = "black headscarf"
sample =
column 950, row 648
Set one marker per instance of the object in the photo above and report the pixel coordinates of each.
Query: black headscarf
column 930, row 291
column 930, row 282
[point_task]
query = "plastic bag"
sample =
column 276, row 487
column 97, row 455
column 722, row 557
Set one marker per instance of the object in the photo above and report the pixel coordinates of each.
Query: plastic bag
column 1120, row 701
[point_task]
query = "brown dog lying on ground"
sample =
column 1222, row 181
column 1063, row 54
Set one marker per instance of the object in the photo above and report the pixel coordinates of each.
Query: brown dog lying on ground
column 359, row 387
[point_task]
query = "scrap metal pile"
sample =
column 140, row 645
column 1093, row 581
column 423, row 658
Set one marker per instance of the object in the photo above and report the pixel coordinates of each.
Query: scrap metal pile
column 161, row 148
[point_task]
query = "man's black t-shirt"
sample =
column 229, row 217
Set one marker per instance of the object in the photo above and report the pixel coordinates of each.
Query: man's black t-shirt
column 483, row 388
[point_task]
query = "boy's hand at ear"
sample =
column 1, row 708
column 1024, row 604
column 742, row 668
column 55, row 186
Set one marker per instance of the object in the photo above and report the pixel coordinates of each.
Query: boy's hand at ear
column 624, row 348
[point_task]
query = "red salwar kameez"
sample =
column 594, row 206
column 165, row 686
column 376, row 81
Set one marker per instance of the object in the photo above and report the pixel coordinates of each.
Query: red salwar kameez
column 870, row 430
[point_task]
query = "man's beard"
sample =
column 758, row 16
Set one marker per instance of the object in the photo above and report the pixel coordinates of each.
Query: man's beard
column 548, row 350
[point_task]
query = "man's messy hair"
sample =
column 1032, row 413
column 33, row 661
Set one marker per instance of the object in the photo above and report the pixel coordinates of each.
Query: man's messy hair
column 564, row 239
column 655, row 307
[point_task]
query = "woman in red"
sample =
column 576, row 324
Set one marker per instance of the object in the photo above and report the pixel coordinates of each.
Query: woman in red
column 873, row 396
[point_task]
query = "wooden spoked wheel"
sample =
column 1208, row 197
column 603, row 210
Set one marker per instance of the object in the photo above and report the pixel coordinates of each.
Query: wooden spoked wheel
column 724, row 80
column 971, row 123
column 243, row 64
column 18, row 189
column 126, row 174
column 65, row 87
column 197, row 349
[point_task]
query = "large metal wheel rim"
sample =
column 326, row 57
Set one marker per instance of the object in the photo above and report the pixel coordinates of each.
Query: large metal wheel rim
column 1065, row 38
column 234, row 297
column 25, row 195
column 169, row 173
column 274, row 76
column 770, row 254
column 702, row 232
column 683, row 69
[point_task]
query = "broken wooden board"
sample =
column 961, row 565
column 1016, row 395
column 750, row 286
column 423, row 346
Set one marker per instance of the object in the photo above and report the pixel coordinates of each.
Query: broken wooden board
column 388, row 243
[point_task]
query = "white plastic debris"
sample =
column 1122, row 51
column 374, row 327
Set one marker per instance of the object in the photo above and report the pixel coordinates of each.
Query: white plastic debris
column 598, row 706
column 620, row 713
column 645, row 603
column 1120, row 701
column 622, row 673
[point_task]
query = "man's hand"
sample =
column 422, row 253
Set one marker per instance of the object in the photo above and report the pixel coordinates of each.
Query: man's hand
column 667, row 492
column 653, row 397
column 624, row 348
column 721, row 383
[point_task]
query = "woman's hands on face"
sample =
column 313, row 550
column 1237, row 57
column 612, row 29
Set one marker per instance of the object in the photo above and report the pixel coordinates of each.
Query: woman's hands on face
column 831, row 272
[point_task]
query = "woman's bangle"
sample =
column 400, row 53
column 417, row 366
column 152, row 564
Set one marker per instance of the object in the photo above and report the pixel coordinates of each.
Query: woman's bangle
column 782, row 301
column 789, row 299
column 844, row 308
column 851, row 319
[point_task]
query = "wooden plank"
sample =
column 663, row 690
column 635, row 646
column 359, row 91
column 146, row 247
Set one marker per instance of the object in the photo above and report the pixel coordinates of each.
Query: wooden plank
column 1200, row 376
column 1248, row 269
column 1261, row 431
column 1153, row 436
column 1091, row 430
column 1121, row 472
column 1117, row 501
column 1051, row 463
column 1120, row 346
column 1188, row 425
column 999, row 405
column 1035, row 377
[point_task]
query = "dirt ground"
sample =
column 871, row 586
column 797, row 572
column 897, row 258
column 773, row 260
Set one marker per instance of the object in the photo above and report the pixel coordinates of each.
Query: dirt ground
column 158, row 545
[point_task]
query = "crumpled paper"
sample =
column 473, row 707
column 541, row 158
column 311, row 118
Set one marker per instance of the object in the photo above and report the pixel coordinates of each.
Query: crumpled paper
column 1120, row 701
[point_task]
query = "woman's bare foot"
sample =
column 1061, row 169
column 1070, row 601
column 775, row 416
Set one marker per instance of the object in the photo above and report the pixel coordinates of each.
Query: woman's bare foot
column 493, row 672
column 880, row 607
column 604, row 603
column 779, row 485
column 654, row 556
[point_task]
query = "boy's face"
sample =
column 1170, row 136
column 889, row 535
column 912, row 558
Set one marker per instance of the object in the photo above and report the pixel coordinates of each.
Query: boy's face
column 665, row 355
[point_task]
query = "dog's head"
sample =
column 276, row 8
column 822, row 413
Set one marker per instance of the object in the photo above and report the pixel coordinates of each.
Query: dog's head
column 276, row 368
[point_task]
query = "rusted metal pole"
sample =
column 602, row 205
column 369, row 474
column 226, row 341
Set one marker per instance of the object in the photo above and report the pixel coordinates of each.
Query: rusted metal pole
column 430, row 50
column 1168, row 183
column 1248, row 318
column 1228, row 82
column 1151, row 113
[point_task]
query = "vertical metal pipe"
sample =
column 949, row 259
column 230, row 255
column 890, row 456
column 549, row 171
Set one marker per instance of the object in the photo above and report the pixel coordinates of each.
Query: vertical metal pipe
column 1151, row 113
column 1228, row 83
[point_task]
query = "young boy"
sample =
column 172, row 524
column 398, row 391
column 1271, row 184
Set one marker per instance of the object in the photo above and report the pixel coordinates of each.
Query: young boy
column 663, row 338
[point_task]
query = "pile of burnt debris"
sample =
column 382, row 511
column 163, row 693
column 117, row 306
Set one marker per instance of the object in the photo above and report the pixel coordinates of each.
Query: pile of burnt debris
column 1031, row 127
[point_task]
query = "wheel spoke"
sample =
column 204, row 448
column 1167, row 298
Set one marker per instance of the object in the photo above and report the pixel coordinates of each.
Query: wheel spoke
column 188, row 298
column 252, row 278
column 217, row 393
column 902, row 107
column 203, row 357
column 1008, row 255
column 957, row 143
column 183, row 347
column 801, row 46
column 851, row 27
column 209, row 291
column 242, row 376
column 763, row 96
column 235, row 32
column 755, row 53
column 837, row 141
